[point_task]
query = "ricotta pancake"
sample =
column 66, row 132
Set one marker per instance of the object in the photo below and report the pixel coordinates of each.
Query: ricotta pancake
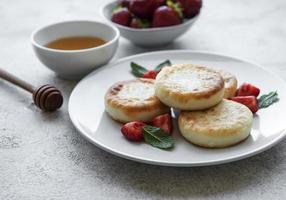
column 223, row 125
column 189, row 87
column 230, row 83
column 133, row 100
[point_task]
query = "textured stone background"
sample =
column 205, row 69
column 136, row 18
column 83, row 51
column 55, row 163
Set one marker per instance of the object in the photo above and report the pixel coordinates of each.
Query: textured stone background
column 43, row 157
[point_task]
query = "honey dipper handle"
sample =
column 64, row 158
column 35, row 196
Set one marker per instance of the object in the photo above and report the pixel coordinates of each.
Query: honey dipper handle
column 15, row 80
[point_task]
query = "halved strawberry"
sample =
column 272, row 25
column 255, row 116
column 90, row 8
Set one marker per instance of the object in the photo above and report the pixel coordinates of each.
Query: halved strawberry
column 164, row 122
column 133, row 131
column 150, row 74
column 247, row 89
column 249, row 101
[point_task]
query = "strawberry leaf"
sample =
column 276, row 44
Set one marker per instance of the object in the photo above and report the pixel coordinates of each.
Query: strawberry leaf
column 177, row 7
column 157, row 137
column 117, row 9
column 163, row 64
column 268, row 99
column 144, row 23
column 138, row 70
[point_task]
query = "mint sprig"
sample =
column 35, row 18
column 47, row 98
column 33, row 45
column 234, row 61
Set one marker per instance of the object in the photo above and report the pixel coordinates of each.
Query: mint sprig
column 138, row 70
column 166, row 63
column 268, row 99
column 157, row 137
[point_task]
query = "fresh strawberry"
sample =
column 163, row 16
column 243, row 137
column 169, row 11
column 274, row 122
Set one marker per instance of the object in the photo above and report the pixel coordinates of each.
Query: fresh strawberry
column 133, row 131
column 190, row 7
column 121, row 16
column 139, row 23
column 247, row 89
column 165, row 16
column 143, row 8
column 161, row 2
column 164, row 122
column 249, row 101
column 150, row 74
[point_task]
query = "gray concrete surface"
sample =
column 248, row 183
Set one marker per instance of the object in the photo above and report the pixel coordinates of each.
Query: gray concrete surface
column 43, row 157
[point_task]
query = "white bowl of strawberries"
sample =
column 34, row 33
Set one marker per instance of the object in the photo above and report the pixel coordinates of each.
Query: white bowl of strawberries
column 152, row 23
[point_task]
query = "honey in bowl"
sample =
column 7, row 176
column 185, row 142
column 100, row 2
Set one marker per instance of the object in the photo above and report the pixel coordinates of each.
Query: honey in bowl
column 75, row 43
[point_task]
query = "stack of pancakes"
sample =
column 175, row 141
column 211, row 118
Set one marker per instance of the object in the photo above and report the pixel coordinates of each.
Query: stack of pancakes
column 206, row 119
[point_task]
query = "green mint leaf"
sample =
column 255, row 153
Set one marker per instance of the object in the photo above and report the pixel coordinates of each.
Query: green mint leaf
column 268, row 99
column 157, row 137
column 163, row 64
column 138, row 70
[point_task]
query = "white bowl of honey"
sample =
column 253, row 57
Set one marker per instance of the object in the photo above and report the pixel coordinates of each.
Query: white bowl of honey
column 73, row 49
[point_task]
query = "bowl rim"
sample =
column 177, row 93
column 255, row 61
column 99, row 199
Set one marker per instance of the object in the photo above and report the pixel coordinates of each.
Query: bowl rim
column 113, row 40
column 185, row 23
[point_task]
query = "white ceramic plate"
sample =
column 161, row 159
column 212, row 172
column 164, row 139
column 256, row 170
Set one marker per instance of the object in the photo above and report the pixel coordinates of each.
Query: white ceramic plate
column 86, row 109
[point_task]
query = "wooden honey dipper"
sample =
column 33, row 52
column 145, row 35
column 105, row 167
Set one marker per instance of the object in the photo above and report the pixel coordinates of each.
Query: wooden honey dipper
column 46, row 97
